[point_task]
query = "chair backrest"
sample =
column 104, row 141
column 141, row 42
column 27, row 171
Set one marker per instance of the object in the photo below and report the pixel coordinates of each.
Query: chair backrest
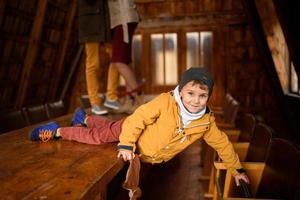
column 10, row 120
column 35, row 114
column 231, row 111
column 259, row 143
column 246, row 124
column 280, row 179
column 228, row 99
column 55, row 109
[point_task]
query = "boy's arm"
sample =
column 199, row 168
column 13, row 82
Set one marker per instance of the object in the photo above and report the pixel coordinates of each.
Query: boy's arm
column 134, row 124
column 220, row 142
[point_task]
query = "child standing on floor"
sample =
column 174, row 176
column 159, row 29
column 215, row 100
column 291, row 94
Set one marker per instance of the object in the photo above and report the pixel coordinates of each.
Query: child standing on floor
column 157, row 130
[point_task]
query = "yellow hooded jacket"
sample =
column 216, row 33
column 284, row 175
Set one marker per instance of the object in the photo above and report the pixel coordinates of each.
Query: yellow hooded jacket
column 155, row 132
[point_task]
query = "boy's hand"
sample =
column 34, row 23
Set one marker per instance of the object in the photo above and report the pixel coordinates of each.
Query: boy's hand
column 126, row 154
column 241, row 176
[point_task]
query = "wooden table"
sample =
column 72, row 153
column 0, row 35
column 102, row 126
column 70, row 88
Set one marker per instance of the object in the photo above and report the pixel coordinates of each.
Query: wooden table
column 56, row 169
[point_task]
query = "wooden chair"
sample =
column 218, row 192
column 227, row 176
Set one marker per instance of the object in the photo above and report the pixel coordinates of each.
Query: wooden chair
column 255, row 151
column 220, row 110
column 35, row 114
column 207, row 153
column 246, row 125
column 276, row 178
column 227, row 119
column 226, row 122
column 55, row 109
column 226, row 116
column 10, row 120
column 259, row 144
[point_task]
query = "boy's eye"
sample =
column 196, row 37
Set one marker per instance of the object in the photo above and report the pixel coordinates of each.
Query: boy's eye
column 203, row 96
column 190, row 93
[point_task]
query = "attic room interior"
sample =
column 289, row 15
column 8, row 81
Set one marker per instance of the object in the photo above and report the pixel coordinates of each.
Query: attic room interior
column 249, row 47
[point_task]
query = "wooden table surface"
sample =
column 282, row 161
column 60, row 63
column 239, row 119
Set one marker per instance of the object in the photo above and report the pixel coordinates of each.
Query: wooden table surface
column 56, row 169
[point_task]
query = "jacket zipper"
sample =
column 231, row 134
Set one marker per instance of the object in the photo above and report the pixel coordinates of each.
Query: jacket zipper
column 182, row 129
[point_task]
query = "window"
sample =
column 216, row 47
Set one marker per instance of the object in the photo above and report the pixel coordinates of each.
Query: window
column 164, row 58
column 136, row 51
column 199, row 49
column 161, row 55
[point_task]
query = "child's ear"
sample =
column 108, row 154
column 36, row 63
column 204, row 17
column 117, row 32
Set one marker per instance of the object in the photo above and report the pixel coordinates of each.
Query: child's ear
column 180, row 94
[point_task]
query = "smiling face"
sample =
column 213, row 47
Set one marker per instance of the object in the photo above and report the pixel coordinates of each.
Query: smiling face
column 194, row 96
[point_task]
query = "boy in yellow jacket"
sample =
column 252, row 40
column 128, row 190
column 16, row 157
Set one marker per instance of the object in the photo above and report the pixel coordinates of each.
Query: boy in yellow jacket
column 157, row 130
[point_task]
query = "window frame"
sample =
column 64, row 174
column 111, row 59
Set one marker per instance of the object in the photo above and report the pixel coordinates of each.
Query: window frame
column 147, row 71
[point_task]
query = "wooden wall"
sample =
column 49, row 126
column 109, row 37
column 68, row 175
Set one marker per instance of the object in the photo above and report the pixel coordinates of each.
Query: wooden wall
column 35, row 50
column 39, row 50
column 238, row 63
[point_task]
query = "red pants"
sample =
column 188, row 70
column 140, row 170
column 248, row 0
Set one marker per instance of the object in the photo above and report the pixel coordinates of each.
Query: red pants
column 99, row 130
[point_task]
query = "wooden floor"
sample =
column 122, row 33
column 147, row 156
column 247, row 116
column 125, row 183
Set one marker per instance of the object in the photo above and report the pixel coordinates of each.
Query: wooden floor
column 177, row 179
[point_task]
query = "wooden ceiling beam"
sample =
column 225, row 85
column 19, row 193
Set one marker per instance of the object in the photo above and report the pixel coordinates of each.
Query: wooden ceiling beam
column 57, row 75
column 288, row 15
column 31, row 53
column 262, row 46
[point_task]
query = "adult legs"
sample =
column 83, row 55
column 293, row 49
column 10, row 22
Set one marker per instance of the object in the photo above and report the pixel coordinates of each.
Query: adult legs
column 121, row 55
column 92, row 64
column 92, row 72
column 121, row 59
column 128, row 74
column 113, row 79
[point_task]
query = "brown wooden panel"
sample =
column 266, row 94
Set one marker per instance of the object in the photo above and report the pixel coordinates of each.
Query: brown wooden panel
column 31, row 53
column 54, row 170
column 59, row 64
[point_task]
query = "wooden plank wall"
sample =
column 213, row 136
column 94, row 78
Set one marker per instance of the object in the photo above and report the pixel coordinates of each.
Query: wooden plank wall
column 34, row 62
column 34, row 40
column 238, row 64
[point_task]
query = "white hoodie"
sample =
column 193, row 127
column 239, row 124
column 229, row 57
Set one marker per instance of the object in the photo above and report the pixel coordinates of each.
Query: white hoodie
column 186, row 116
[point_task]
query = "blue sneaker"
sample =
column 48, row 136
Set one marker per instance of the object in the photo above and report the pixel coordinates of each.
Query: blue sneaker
column 78, row 117
column 44, row 132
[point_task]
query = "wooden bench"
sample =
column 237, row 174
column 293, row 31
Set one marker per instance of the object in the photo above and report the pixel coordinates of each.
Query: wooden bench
column 219, row 109
column 246, row 124
column 276, row 178
column 227, row 117
column 256, row 149
column 55, row 170
column 244, row 131
column 225, row 120
column 35, row 114
column 12, row 119
column 55, row 109
column 253, row 151
column 244, row 128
